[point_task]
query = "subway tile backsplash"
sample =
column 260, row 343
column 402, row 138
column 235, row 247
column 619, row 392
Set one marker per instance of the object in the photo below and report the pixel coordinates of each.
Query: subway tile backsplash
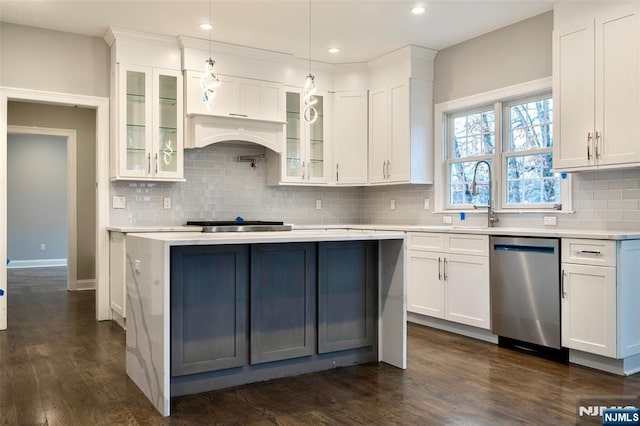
column 218, row 187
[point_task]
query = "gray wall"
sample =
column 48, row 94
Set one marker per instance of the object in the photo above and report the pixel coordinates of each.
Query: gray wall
column 36, row 197
column 34, row 58
column 510, row 55
column 84, row 122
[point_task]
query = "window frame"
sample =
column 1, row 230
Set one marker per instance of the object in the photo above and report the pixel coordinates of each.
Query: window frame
column 499, row 98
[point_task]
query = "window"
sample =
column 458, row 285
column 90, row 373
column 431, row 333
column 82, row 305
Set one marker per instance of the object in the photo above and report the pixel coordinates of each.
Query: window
column 528, row 159
column 515, row 139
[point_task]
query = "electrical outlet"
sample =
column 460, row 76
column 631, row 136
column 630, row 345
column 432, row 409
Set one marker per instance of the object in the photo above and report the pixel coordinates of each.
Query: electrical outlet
column 392, row 205
column 137, row 266
column 550, row 220
column 43, row 247
column 447, row 220
column 426, row 204
column 167, row 202
column 119, row 202
column 318, row 204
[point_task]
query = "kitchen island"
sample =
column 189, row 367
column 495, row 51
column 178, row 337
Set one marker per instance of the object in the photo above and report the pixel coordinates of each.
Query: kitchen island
column 207, row 311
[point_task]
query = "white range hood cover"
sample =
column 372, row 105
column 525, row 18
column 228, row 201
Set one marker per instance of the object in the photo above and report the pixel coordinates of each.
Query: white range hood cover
column 204, row 130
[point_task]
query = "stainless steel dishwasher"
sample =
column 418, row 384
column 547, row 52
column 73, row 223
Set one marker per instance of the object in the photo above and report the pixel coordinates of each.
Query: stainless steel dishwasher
column 525, row 289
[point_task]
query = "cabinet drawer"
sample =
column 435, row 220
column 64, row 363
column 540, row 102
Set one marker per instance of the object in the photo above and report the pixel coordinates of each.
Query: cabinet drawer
column 426, row 241
column 589, row 252
column 468, row 244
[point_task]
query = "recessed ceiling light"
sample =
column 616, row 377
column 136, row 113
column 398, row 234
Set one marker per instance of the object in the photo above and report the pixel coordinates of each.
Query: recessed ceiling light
column 206, row 26
column 334, row 50
column 418, row 10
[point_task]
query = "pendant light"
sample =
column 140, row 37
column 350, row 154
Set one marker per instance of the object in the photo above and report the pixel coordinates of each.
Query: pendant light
column 309, row 112
column 209, row 80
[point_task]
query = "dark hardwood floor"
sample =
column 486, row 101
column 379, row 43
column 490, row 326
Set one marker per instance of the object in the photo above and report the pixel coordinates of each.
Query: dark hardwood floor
column 59, row 366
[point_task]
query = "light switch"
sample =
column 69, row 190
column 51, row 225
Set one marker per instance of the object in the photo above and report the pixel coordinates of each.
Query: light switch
column 447, row 220
column 392, row 205
column 550, row 220
column 426, row 204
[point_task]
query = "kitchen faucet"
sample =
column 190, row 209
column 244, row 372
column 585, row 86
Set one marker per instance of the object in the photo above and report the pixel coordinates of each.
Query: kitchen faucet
column 491, row 214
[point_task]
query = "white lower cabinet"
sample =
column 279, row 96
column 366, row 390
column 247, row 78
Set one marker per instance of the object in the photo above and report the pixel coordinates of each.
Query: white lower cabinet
column 600, row 297
column 447, row 285
column 589, row 309
column 117, row 273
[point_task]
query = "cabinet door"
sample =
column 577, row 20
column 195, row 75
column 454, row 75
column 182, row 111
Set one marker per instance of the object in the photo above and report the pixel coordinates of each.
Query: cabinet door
column 294, row 152
column 573, row 95
column 117, row 273
column 260, row 100
column 347, row 283
column 136, row 134
column 208, row 308
column 350, row 137
column 379, row 135
column 168, row 124
column 617, row 87
column 283, row 300
column 398, row 169
column 425, row 287
column 319, row 141
column 589, row 309
column 467, row 296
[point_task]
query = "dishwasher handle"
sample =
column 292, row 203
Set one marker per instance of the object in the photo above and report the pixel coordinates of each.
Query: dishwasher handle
column 524, row 248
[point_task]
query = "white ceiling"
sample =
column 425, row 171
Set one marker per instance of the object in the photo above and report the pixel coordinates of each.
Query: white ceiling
column 362, row 29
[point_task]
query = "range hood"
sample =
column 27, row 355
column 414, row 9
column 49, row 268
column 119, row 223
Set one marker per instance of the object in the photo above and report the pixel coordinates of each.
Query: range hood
column 203, row 130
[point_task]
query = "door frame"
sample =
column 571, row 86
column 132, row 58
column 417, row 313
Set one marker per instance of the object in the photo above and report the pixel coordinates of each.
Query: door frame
column 101, row 105
column 71, row 146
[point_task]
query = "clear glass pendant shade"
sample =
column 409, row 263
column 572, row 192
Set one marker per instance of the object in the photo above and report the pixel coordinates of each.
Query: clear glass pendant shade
column 309, row 113
column 209, row 82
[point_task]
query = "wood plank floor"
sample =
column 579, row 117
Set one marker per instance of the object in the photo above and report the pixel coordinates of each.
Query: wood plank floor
column 58, row 366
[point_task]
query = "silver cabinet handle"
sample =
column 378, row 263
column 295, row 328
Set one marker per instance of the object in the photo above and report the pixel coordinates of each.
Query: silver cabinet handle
column 238, row 115
column 597, row 144
column 156, row 163
column 303, row 171
column 444, row 275
column 562, row 290
column 439, row 273
column 593, row 252
column 337, row 172
column 388, row 169
column 384, row 169
column 149, row 163
column 589, row 139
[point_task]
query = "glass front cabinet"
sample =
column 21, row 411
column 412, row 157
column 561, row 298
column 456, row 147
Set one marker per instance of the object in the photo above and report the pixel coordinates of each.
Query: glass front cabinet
column 149, row 124
column 307, row 144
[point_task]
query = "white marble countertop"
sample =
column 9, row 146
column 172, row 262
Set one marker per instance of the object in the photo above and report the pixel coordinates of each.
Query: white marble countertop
column 127, row 229
column 459, row 229
column 301, row 235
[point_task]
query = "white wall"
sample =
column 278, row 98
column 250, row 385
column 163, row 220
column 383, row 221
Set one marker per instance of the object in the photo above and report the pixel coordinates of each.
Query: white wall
column 36, row 197
column 35, row 58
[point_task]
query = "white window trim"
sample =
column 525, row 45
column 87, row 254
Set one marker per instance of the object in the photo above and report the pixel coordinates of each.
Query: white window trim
column 443, row 109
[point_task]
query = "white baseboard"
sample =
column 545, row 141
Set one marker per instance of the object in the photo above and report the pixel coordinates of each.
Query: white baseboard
column 36, row 263
column 86, row 284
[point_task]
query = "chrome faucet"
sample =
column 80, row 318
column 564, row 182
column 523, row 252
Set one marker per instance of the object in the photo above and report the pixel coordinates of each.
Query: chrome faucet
column 491, row 214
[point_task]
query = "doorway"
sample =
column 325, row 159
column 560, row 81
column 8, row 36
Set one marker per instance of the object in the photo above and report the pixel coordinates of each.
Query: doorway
column 33, row 178
column 101, row 106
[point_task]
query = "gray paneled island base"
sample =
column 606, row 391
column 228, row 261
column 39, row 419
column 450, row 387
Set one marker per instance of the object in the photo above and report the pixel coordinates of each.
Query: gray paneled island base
column 208, row 311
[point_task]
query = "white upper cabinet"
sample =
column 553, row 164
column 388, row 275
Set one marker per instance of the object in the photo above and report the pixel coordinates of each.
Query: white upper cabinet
column 401, row 117
column 236, row 97
column 350, row 137
column 150, row 124
column 596, row 88
column 305, row 158
column 147, row 108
